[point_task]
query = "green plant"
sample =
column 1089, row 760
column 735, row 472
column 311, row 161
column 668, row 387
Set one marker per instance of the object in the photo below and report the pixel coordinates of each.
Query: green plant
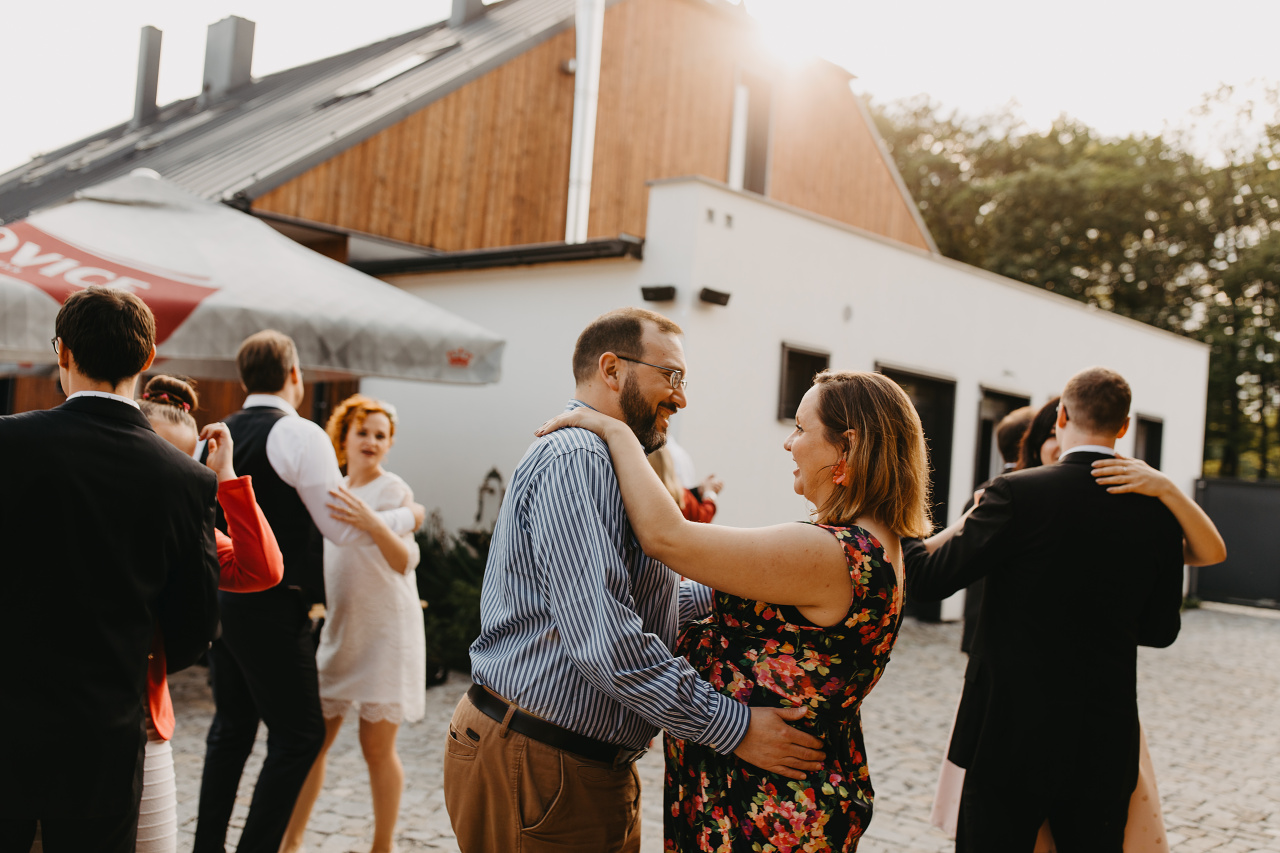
column 450, row 576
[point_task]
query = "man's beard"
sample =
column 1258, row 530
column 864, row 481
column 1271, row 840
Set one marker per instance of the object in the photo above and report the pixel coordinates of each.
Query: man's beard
column 642, row 419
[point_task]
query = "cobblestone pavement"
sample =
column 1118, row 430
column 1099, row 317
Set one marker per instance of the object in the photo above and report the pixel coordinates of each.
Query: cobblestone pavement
column 1210, row 708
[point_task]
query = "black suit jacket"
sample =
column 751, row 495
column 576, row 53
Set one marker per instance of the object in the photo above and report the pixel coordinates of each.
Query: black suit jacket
column 106, row 532
column 1076, row 579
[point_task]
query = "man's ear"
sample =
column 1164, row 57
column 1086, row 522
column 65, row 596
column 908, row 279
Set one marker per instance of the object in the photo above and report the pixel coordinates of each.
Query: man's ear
column 1124, row 427
column 151, row 358
column 64, row 357
column 1062, row 416
column 610, row 369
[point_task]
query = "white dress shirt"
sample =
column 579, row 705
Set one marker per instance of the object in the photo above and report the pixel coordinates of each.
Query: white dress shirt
column 1089, row 448
column 108, row 395
column 302, row 455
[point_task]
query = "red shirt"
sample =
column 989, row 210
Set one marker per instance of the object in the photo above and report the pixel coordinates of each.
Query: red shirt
column 696, row 510
column 249, row 560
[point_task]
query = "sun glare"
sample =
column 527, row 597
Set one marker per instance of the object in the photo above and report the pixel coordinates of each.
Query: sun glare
column 787, row 29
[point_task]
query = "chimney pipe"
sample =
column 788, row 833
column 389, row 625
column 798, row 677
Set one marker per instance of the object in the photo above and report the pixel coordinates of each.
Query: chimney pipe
column 228, row 58
column 144, row 98
column 464, row 11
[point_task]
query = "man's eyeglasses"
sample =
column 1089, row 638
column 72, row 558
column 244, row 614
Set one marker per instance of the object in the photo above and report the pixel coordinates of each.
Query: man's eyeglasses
column 676, row 377
column 54, row 341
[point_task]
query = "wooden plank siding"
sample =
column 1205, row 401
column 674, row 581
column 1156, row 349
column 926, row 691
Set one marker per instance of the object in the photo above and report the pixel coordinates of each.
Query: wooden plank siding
column 217, row 397
column 825, row 159
column 488, row 165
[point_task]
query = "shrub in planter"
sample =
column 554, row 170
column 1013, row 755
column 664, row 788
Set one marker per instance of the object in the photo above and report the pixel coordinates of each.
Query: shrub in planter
column 450, row 575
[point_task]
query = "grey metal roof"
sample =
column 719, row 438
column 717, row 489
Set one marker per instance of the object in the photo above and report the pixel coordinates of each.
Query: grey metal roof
column 274, row 129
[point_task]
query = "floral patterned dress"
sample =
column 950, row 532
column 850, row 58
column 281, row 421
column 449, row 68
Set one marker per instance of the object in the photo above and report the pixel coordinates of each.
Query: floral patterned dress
column 770, row 655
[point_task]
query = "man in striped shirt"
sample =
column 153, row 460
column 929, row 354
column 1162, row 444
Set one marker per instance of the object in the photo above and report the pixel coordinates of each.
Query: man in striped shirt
column 573, row 667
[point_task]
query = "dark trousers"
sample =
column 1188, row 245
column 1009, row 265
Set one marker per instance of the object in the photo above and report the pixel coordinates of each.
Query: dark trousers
column 111, row 834
column 262, row 668
column 1006, row 817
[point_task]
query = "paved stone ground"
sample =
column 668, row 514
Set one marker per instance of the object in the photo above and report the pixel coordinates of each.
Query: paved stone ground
column 1210, row 708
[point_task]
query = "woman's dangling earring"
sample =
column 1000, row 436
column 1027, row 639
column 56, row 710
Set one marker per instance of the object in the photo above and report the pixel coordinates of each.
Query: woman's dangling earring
column 839, row 474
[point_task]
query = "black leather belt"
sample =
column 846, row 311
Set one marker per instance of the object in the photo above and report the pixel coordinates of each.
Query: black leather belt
column 549, row 733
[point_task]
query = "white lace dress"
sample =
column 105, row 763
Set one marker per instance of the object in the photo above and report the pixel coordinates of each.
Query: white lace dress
column 372, row 654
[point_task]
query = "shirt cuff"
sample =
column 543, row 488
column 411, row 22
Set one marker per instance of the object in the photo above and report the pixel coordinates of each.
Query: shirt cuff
column 729, row 723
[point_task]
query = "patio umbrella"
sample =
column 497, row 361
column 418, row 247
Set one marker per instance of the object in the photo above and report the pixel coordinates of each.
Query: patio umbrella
column 213, row 276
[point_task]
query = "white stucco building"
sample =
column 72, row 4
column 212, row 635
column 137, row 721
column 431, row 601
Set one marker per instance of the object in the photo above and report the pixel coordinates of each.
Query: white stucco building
column 799, row 280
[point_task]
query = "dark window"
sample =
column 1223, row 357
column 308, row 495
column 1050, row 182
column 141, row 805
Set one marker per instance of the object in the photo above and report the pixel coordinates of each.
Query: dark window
column 756, row 174
column 991, row 410
column 1148, row 440
column 749, row 136
column 935, row 402
column 799, row 366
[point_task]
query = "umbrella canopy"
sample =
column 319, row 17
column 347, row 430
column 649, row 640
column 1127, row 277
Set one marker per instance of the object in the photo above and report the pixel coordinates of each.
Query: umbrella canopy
column 213, row 276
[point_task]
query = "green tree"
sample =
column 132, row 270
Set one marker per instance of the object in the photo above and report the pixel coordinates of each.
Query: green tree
column 1140, row 226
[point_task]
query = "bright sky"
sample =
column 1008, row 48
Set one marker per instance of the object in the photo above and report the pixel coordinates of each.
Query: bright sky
column 1118, row 65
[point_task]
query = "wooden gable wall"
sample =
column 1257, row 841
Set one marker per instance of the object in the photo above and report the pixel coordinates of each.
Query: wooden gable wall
column 488, row 165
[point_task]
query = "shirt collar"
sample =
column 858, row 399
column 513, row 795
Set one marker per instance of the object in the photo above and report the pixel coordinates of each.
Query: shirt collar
column 108, row 395
column 1090, row 448
column 256, row 400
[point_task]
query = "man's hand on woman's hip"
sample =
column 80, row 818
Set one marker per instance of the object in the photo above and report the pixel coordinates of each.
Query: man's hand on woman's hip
column 774, row 746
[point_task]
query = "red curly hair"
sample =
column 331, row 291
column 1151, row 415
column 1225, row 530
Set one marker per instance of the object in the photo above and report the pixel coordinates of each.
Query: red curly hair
column 354, row 410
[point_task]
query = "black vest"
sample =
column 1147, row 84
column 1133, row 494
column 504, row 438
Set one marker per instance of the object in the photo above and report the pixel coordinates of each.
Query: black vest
column 299, row 539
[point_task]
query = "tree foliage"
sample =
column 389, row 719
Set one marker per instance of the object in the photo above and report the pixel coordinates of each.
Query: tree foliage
column 1141, row 226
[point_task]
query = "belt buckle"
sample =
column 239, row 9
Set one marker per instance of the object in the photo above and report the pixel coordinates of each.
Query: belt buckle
column 626, row 757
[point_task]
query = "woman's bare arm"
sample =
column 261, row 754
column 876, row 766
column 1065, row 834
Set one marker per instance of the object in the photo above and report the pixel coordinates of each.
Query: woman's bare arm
column 350, row 509
column 1202, row 544
column 795, row 564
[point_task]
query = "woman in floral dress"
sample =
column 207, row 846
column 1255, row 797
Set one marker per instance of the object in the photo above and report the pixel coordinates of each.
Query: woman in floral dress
column 805, row 615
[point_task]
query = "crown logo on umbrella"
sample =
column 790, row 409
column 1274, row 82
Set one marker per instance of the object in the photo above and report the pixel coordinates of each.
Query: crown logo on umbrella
column 459, row 357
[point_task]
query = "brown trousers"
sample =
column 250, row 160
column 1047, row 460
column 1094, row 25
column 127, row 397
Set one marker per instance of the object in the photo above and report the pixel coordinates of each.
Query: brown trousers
column 507, row 793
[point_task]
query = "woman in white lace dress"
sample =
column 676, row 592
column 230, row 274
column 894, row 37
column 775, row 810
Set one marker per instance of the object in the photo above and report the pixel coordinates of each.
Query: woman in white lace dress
column 372, row 657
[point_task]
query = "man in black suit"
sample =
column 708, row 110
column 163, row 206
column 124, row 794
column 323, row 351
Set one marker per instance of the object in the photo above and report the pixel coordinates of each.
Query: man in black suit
column 1009, row 433
column 107, row 534
column 1076, row 579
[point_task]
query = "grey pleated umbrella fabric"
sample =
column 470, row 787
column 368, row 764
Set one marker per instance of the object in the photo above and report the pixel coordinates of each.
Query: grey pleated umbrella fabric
column 213, row 276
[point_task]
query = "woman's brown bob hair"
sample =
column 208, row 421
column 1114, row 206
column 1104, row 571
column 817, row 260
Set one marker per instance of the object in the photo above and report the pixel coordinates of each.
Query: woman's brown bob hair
column 354, row 410
column 888, row 466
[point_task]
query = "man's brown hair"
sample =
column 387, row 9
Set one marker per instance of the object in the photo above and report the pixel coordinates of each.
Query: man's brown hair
column 1097, row 399
column 110, row 332
column 264, row 360
column 619, row 331
column 1010, row 430
column 887, row 464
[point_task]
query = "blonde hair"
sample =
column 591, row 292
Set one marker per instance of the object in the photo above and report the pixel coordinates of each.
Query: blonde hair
column 662, row 463
column 887, row 464
column 354, row 410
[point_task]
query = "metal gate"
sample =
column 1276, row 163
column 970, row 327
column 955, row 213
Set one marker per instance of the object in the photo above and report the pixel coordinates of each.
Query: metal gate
column 1248, row 515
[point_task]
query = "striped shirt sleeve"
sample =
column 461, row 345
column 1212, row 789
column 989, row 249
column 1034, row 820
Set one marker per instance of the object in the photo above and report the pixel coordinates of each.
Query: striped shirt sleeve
column 586, row 587
column 695, row 601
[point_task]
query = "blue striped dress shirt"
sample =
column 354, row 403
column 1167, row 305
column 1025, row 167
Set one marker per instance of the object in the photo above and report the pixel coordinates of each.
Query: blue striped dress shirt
column 577, row 622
